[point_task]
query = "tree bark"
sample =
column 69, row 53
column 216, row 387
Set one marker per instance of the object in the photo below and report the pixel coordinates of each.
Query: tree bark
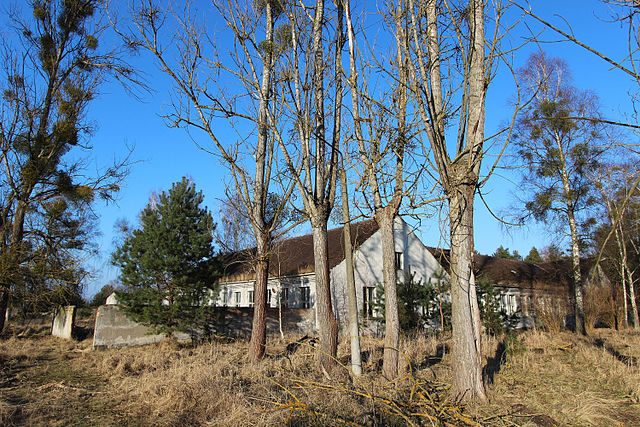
column 257, row 344
column 629, row 276
column 327, row 323
column 4, row 306
column 352, row 299
column 578, row 291
column 465, row 316
column 634, row 305
column 384, row 218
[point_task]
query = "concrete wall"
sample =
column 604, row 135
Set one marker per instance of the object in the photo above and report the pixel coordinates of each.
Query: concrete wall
column 63, row 322
column 114, row 329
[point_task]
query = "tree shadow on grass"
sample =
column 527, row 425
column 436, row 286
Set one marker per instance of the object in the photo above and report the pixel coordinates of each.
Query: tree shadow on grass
column 432, row 359
column 494, row 363
column 627, row 360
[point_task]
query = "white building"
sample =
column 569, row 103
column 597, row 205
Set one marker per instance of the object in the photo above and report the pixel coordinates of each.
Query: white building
column 522, row 287
column 292, row 279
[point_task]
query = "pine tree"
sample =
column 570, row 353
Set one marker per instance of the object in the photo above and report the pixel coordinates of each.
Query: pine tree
column 168, row 269
column 534, row 256
column 502, row 252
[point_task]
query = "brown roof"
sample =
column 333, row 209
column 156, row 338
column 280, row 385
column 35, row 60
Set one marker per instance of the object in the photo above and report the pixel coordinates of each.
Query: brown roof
column 295, row 255
column 553, row 276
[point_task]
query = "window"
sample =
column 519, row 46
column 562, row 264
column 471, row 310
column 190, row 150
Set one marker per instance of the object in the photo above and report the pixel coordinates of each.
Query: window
column 237, row 298
column 367, row 301
column 225, row 297
column 268, row 300
column 284, row 297
column 398, row 260
column 305, row 297
column 251, row 298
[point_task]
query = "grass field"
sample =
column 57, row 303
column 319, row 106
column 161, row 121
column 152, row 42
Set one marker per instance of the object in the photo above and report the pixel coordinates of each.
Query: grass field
column 534, row 378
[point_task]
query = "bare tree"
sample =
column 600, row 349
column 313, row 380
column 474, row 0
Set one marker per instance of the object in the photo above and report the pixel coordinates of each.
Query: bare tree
column 352, row 299
column 317, row 128
column 234, row 232
column 382, row 132
column 614, row 184
column 236, row 88
column 450, row 65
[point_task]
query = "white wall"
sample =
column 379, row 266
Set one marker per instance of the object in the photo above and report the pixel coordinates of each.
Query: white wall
column 368, row 266
column 368, row 269
column 292, row 283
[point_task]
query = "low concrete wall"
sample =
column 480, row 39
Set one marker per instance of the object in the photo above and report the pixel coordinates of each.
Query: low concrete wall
column 237, row 321
column 63, row 322
column 114, row 329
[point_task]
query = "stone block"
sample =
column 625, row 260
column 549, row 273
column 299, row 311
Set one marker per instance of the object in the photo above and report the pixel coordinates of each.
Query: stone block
column 63, row 322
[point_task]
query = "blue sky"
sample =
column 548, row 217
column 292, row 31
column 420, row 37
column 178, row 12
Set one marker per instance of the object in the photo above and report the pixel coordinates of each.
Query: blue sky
column 164, row 155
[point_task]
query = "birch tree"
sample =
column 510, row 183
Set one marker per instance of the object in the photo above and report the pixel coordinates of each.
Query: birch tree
column 219, row 88
column 52, row 67
column 615, row 185
column 559, row 153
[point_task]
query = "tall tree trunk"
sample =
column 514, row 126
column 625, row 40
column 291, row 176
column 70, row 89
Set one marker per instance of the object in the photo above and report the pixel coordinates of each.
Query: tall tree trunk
column 257, row 345
column 465, row 318
column 327, row 323
column 4, row 306
column 384, row 218
column 623, row 277
column 258, row 341
column 628, row 275
column 352, row 299
column 634, row 305
column 578, row 291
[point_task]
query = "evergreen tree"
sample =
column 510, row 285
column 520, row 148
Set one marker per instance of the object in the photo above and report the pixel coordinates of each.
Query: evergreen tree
column 168, row 269
column 493, row 318
column 552, row 253
column 534, row 256
column 502, row 252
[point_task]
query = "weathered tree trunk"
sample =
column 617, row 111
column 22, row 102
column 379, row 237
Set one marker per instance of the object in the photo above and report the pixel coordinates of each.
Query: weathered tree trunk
column 327, row 323
column 627, row 276
column 623, row 277
column 352, row 299
column 465, row 313
column 634, row 306
column 578, row 291
column 384, row 218
column 258, row 341
column 257, row 345
column 4, row 306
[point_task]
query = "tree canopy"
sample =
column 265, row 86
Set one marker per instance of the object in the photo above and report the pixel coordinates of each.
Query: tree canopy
column 52, row 67
column 168, row 268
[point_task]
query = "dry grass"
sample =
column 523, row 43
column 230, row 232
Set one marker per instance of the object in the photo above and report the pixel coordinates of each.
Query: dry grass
column 538, row 379
column 569, row 379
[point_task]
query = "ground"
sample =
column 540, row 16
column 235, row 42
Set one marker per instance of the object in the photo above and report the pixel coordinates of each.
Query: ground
column 535, row 378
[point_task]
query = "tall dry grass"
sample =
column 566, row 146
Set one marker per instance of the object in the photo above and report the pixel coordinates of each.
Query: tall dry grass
column 215, row 384
column 569, row 379
column 538, row 378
